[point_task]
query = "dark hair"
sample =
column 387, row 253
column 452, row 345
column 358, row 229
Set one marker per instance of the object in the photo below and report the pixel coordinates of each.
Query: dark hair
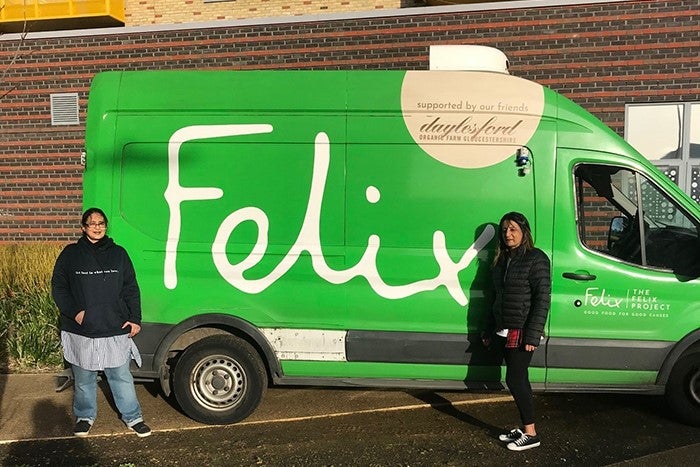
column 527, row 243
column 90, row 212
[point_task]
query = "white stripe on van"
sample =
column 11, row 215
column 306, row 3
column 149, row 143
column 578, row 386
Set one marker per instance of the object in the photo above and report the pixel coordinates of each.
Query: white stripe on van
column 307, row 344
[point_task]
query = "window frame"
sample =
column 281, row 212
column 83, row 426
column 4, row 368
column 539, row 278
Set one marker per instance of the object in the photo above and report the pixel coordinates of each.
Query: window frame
column 685, row 165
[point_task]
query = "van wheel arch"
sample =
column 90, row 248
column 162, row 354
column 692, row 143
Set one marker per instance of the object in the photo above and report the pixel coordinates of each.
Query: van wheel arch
column 205, row 326
column 690, row 343
column 683, row 387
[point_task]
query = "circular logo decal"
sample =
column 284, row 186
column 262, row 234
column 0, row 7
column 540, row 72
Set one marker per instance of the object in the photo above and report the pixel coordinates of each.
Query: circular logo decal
column 470, row 119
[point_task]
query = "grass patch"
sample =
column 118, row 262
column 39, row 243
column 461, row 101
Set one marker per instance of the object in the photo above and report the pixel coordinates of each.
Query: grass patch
column 29, row 326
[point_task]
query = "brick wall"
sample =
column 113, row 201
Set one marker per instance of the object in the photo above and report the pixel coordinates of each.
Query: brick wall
column 601, row 55
column 140, row 12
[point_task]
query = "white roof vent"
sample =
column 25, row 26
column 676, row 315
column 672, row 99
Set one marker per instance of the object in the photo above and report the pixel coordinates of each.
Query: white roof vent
column 467, row 58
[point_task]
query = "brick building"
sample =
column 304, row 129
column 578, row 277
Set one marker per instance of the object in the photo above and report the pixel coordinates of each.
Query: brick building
column 144, row 12
column 631, row 63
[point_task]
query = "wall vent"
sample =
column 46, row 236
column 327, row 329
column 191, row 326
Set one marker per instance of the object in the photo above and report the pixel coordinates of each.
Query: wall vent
column 64, row 109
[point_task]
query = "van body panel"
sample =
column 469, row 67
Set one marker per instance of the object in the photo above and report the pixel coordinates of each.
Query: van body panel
column 343, row 223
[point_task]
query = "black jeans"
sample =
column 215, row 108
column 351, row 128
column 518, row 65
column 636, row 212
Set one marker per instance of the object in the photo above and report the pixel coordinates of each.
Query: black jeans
column 518, row 381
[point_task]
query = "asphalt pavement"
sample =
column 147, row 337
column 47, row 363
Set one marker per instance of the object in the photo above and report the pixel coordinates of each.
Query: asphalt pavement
column 31, row 409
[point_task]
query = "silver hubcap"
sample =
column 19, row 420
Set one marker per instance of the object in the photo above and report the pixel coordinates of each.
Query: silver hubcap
column 218, row 382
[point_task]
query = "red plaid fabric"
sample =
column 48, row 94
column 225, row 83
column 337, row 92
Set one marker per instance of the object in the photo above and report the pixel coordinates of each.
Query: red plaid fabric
column 514, row 338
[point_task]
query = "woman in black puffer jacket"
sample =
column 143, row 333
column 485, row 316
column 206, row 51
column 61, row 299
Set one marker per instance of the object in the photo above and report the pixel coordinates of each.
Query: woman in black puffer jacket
column 522, row 283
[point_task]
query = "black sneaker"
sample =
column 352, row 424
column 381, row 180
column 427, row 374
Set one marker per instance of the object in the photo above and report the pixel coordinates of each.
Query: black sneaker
column 141, row 430
column 524, row 442
column 511, row 436
column 82, row 428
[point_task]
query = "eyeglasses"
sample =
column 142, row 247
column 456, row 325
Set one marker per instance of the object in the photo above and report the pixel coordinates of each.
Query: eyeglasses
column 95, row 225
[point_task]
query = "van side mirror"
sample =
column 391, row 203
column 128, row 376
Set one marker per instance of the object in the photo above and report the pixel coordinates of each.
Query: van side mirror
column 618, row 227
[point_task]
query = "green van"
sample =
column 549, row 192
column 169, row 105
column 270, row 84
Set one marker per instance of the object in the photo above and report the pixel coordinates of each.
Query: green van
column 337, row 227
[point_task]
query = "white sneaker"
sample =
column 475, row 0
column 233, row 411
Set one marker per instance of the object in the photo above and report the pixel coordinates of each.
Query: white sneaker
column 511, row 436
column 524, row 442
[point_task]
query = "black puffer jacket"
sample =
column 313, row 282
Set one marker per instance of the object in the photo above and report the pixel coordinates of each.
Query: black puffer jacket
column 523, row 294
column 100, row 279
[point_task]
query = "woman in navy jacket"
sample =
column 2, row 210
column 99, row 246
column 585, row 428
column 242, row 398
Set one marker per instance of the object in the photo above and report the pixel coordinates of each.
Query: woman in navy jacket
column 522, row 284
column 94, row 286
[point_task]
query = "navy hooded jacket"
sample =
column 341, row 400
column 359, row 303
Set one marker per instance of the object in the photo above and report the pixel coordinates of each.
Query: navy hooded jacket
column 100, row 279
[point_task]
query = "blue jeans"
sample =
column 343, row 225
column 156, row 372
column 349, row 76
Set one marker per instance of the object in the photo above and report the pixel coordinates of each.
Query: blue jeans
column 121, row 383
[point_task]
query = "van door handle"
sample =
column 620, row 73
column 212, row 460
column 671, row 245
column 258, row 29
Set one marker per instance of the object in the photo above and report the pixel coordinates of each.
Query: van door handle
column 579, row 276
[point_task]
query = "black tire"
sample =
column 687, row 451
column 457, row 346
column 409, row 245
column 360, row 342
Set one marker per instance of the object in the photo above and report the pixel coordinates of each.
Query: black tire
column 683, row 388
column 219, row 380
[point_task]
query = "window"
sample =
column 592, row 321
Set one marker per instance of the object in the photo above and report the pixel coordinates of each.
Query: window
column 623, row 214
column 669, row 136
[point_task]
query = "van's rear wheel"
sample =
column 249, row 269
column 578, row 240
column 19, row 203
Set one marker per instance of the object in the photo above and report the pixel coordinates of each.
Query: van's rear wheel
column 219, row 380
column 683, row 388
